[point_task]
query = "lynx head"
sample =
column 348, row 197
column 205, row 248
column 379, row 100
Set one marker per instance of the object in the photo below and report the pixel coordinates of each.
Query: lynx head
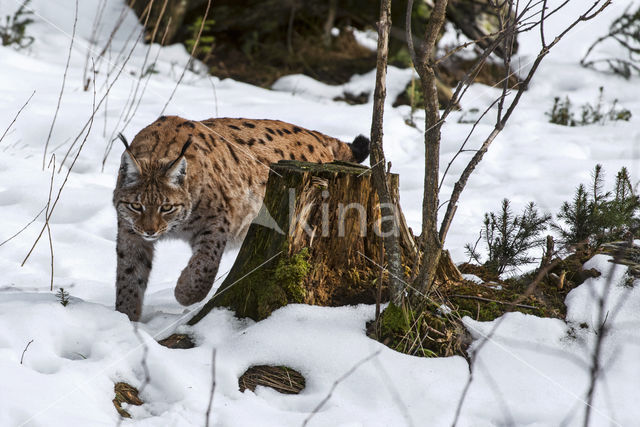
column 151, row 196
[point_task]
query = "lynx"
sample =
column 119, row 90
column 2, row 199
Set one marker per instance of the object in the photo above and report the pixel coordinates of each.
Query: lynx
column 199, row 181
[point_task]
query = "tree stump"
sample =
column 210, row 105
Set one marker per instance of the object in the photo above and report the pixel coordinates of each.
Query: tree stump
column 316, row 240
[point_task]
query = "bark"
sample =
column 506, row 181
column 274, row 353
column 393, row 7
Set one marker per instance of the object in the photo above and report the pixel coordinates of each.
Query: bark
column 378, row 161
column 319, row 242
column 431, row 244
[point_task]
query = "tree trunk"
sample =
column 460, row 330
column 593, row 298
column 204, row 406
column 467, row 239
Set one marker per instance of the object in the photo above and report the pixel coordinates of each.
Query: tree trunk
column 378, row 161
column 317, row 240
column 431, row 243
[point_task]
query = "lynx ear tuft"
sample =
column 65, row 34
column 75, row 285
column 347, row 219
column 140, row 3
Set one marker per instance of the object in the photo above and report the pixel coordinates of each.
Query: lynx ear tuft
column 177, row 172
column 129, row 169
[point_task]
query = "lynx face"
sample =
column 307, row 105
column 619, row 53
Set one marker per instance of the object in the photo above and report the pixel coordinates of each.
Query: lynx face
column 152, row 199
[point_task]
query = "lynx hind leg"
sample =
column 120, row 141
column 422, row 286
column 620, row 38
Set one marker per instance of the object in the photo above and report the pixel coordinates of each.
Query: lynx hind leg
column 134, row 265
column 197, row 278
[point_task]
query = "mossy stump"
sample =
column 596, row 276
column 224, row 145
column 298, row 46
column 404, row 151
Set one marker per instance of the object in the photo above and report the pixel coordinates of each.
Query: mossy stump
column 315, row 241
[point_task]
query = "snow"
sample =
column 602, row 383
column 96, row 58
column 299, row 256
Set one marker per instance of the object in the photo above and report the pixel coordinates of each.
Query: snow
column 531, row 371
column 473, row 278
column 367, row 38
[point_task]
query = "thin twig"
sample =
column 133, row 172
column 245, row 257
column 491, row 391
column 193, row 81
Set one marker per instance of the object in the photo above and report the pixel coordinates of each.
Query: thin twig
column 64, row 182
column 16, row 116
column 513, row 304
column 24, row 351
column 191, row 57
column 143, row 362
column 95, row 109
column 337, row 382
column 604, row 315
column 522, row 86
column 464, row 143
column 215, row 95
column 92, row 40
column 53, row 171
column 64, row 80
column 25, row 227
column 139, row 101
column 213, row 386
column 146, row 56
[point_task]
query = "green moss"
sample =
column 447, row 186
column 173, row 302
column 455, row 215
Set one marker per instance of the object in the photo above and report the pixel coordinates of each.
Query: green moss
column 258, row 294
column 393, row 321
column 420, row 330
column 290, row 274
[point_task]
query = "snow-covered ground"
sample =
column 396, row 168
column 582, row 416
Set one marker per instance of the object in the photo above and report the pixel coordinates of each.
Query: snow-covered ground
column 532, row 372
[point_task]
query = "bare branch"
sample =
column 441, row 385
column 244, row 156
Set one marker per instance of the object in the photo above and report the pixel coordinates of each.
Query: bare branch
column 337, row 382
column 409, row 36
column 522, row 86
column 51, row 207
column 92, row 39
column 16, row 116
column 213, row 387
column 464, row 143
column 25, row 227
column 24, row 351
column 64, row 80
column 191, row 58
column 48, row 206
column 97, row 106
column 143, row 68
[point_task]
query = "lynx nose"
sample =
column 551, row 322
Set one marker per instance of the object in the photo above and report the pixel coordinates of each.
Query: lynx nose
column 150, row 235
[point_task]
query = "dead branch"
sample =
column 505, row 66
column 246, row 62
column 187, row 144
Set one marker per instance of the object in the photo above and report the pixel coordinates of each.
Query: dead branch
column 48, row 206
column 513, row 304
column 51, row 207
column 459, row 186
column 139, row 100
column 92, row 40
column 191, row 57
column 64, row 80
column 119, row 21
column 213, row 387
column 25, row 227
column 142, row 71
column 462, row 148
column 16, row 116
column 98, row 105
column 143, row 362
column 337, row 382
column 605, row 317
column 132, row 98
column 24, row 351
column 215, row 95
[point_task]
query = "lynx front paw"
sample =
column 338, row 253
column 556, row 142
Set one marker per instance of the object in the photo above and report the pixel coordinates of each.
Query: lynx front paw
column 189, row 291
column 129, row 305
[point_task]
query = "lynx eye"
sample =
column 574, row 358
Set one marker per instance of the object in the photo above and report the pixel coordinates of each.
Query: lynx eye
column 166, row 208
column 136, row 207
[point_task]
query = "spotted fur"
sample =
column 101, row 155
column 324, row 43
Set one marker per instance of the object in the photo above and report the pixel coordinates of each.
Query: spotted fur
column 202, row 182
